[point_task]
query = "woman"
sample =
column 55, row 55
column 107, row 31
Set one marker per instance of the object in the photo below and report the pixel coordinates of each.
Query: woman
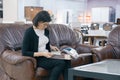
column 36, row 44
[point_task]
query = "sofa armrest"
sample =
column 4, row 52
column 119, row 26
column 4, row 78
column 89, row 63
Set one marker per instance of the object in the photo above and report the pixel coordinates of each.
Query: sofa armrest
column 18, row 67
column 81, row 48
column 83, row 59
column 101, row 53
column 12, row 57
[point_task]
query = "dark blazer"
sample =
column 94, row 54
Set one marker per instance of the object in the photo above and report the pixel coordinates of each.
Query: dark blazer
column 30, row 42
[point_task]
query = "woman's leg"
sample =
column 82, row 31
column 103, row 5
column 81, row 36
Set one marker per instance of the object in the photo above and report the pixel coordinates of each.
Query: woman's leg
column 56, row 66
column 57, row 70
column 65, row 71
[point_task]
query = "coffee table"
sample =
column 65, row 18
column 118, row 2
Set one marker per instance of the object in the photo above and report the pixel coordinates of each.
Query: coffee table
column 106, row 70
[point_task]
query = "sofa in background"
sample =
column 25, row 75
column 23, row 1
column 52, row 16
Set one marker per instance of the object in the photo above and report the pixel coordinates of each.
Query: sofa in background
column 111, row 50
column 14, row 66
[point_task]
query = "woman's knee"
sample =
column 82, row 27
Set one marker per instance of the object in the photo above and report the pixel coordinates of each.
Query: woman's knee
column 61, row 63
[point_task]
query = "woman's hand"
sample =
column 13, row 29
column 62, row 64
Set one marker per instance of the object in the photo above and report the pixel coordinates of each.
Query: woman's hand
column 47, row 54
column 54, row 48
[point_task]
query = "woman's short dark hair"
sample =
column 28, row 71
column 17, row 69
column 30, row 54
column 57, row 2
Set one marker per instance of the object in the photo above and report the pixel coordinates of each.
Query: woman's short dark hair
column 42, row 16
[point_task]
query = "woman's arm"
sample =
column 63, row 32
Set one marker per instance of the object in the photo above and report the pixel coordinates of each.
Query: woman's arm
column 45, row 54
column 26, row 45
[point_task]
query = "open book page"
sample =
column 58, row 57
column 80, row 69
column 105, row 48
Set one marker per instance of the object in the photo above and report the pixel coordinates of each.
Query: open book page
column 56, row 52
column 68, row 54
column 59, row 55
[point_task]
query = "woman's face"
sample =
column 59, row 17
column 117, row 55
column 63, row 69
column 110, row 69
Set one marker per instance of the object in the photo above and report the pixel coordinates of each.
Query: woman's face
column 42, row 25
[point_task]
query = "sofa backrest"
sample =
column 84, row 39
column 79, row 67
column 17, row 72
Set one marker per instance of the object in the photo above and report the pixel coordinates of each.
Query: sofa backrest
column 61, row 35
column 11, row 35
column 114, row 40
column 114, row 37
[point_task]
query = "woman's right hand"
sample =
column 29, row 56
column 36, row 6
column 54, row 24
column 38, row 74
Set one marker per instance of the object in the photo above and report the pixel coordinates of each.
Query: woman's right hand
column 47, row 54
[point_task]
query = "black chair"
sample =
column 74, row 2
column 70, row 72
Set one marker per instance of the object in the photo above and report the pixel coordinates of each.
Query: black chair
column 107, row 27
column 118, row 21
column 95, row 26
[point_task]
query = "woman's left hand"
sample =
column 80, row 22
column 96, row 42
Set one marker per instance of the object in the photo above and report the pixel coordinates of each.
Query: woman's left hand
column 54, row 48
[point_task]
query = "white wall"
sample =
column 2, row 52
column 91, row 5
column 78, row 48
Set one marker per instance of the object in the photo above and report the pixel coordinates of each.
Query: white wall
column 105, row 3
column 101, row 14
column 60, row 7
column 10, row 10
column 31, row 2
column 21, row 10
column 13, row 10
column 118, row 9
column 22, row 4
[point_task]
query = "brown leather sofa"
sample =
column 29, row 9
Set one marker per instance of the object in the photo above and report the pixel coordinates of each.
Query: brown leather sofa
column 14, row 66
column 111, row 50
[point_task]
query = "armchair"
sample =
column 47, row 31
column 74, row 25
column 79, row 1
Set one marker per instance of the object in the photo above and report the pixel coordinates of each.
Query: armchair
column 111, row 50
column 14, row 66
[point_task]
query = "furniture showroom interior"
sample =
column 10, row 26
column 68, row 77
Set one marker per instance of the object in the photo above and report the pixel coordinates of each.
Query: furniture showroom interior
column 85, row 33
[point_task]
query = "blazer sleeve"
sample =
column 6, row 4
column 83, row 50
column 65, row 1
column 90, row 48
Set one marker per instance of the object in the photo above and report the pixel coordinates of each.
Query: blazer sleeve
column 26, row 45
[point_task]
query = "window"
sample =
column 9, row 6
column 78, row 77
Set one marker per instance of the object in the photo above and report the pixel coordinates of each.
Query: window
column 1, row 9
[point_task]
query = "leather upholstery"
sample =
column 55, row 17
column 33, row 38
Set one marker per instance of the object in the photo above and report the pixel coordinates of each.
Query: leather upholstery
column 111, row 50
column 61, row 35
column 13, row 66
